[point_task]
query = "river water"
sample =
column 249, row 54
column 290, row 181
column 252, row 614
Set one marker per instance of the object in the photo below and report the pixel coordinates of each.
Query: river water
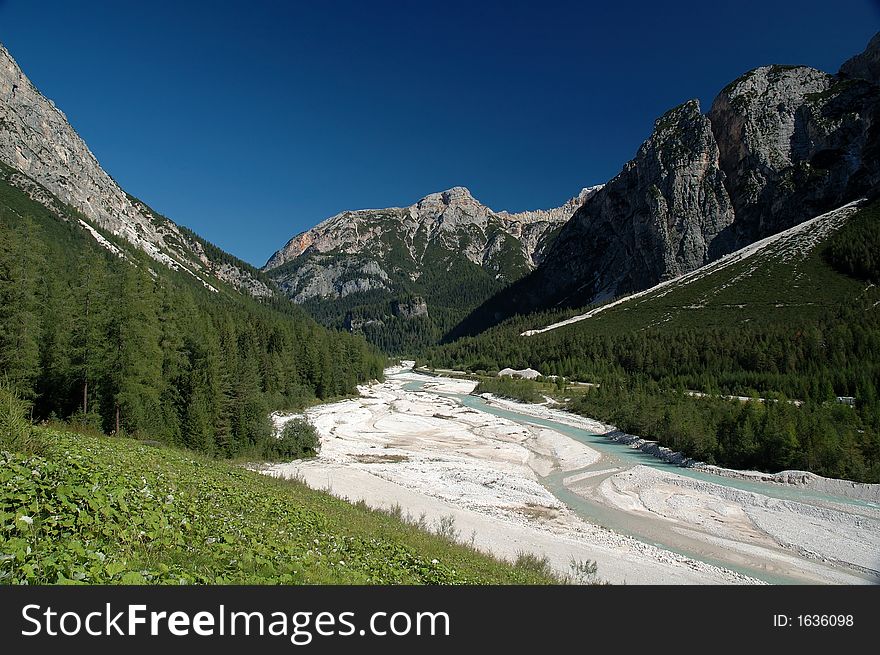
column 656, row 531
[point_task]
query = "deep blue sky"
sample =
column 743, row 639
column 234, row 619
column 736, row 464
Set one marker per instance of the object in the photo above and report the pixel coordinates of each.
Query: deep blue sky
column 251, row 121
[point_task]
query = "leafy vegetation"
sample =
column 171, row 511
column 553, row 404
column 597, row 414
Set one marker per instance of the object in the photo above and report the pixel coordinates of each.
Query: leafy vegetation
column 127, row 346
column 16, row 432
column 803, row 327
column 508, row 387
column 115, row 511
column 298, row 440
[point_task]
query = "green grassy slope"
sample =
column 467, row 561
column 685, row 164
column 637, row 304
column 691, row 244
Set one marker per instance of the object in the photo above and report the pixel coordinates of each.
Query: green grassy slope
column 788, row 310
column 789, row 281
column 108, row 510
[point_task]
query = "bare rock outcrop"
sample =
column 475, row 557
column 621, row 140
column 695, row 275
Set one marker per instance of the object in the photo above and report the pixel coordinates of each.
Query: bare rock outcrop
column 441, row 230
column 37, row 140
column 792, row 141
column 780, row 145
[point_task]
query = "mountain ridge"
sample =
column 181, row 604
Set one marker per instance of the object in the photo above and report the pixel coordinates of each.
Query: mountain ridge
column 430, row 208
column 37, row 139
column 404, row 276
column 797, row 241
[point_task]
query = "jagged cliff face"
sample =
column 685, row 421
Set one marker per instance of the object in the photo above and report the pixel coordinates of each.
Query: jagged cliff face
column 36, row 139
column 792, row 141
column 365, row 250
column 864, row 66
column 659, row 218
column 780, row 145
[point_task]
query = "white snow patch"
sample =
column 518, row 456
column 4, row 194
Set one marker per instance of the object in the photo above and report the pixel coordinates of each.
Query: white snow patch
column 101, row 240
column 796, row 241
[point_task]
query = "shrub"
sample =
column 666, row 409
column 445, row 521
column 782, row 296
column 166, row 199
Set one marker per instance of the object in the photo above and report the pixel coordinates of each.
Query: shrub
column 531, row 563
column 298, row 440
column 16, row 432
column 524, row 391
column 446, row 528
column 584, row 572
column 86, row 423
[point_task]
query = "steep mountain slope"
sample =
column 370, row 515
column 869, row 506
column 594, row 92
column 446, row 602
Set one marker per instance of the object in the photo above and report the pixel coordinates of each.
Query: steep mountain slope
column 822, row 272
column 776, row 279
column 94, row 328
column 866, row 65
column 780, row 145
column 37, row 140
column 376, row 270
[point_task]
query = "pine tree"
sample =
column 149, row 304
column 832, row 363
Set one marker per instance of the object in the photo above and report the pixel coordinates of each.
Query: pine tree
column 134, row 356
column 20, row 268
column 88, row 306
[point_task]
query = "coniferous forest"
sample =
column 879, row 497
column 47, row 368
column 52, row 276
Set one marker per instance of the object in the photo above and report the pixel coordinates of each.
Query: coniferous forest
column 123, row 345
column 798, row 336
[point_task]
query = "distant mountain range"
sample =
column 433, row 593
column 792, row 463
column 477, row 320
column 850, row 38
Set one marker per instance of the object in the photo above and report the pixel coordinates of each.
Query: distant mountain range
column 778, row 146
column 735, row 253
column 376, row 270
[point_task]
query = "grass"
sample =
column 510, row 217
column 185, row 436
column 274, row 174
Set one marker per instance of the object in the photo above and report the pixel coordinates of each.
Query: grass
column 16, row 431
column 764, row 290
column 101, row 510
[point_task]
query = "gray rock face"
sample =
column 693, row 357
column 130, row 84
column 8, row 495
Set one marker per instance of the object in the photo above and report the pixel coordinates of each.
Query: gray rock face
column 353, row 323
column 410, row 309
column 379, row 316
column 660, row 217
column 36, row 139
column 791, row 141
column 405, row 241
column 453, row 217
column 865, row 66
column 323, row 277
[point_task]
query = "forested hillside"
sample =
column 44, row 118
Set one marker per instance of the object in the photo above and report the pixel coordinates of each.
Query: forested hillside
column 798, row 320
column 115, row 341
column 449, row 286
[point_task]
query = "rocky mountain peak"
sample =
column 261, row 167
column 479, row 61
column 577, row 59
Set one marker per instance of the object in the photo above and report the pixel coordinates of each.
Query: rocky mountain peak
column 657, row 218
column 37, row 140
column 668, row 123
column 756, row 115
column 792, row 144
column 866, row 65
column 442, row 214
column 456, row 195
column 450, row 207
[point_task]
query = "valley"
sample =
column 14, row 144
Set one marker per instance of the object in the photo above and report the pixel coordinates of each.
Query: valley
column 716, row 301
column 523, row 478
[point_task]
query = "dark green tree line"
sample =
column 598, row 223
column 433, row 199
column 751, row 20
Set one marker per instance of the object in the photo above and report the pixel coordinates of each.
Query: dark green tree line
column 128, row 347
